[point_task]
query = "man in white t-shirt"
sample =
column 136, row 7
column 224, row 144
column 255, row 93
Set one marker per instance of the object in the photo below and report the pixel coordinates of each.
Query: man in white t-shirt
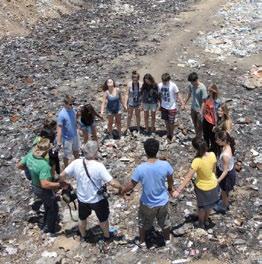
column 88, row 186
column 169, row 94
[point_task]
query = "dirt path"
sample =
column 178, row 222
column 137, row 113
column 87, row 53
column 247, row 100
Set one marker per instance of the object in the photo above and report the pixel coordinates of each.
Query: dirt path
column 183, row 29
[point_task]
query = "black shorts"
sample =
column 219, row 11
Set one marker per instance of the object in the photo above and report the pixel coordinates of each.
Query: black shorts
column 101, row 209
column 228, row 183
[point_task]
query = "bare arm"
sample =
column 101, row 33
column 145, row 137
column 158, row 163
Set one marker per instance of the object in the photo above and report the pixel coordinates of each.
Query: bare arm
column 59, row 135
column 45, row 184
column 187, row 179
column 180, row 99
column 20, row 166
column 103, row 103
column 122, row 100
column 114, row 183
column 225, row 166
column 98, row 115
column 188, row 97
column 129, row 186
column 126, row 96
column 228, row 125
column 170, row 184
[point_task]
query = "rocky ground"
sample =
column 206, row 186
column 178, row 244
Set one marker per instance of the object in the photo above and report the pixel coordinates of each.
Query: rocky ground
column 75, row 54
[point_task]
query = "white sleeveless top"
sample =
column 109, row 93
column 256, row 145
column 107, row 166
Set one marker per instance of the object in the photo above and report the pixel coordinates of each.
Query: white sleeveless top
column 220, row 162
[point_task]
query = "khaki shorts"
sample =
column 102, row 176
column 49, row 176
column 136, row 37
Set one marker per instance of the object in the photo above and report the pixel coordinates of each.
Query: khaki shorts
column 147, row 215
column 71, row 146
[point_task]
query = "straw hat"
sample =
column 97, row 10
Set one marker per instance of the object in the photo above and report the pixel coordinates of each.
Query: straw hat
column 41, row 148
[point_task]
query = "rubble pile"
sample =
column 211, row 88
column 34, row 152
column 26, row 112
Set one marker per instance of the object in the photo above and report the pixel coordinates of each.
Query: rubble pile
column 240, row 32
column 64, row 56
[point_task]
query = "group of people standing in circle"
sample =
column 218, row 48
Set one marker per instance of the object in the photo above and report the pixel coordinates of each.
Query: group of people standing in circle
column 211, row 120
column 212, row 170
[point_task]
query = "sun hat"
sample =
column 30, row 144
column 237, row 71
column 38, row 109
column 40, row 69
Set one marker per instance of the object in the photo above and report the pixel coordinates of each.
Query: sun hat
column 42, row 147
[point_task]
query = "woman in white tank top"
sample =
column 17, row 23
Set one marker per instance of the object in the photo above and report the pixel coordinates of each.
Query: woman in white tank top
column 225, row 168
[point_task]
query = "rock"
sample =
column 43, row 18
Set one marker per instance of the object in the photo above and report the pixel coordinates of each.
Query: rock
column 47, row 254
column 199, row 232
column 11, row 250
column 253, row 79
column 66, row 243
column 180, row 261
column 239, row 242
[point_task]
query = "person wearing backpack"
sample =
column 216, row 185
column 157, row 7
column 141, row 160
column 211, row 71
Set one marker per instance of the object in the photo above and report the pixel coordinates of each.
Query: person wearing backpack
column 87, row 122
column 133, row 100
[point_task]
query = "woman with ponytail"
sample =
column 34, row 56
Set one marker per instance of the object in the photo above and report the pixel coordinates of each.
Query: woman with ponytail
column 225, row 169
column 206, row 187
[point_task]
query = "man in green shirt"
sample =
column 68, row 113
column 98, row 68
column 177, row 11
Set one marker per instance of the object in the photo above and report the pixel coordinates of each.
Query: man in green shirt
column 42, row 182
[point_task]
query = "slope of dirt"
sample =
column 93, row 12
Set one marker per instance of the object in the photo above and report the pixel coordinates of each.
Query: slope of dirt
column 18, row 17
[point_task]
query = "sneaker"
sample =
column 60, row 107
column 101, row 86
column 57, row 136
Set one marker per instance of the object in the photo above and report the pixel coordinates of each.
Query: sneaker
column 209, row 224
column 220, row 208
column 82, row 239
column 199, row 225
column 167, row 242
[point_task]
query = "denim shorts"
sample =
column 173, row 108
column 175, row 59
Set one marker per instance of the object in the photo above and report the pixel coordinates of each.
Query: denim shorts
column 87, row 129
column 150, row 107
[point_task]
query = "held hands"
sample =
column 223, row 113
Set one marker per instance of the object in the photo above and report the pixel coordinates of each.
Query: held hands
column 175, row 194
column 64, row 185
column 58, row 147
column 183, row 107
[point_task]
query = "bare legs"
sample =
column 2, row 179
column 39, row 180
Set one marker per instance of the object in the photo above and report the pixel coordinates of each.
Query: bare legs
column 104, row 226
column 153, row 120
column 146, row 116
column 110, row 124
column 111, row 119
column 82, row 227
column 169, row 130
column 203, row 215
column 130, row 115
column 225, row 198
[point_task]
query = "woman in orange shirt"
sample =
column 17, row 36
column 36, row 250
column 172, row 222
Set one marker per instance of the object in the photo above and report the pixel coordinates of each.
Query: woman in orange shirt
column 211, row 105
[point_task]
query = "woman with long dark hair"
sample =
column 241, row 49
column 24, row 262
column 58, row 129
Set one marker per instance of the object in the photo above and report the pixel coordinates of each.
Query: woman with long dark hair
column 225, row 169
column 206, row 187
column 87, row 122
column 149, row 94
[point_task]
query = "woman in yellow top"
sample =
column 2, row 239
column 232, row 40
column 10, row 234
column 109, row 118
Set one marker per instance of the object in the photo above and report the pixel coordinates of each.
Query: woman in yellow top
column 206, row 186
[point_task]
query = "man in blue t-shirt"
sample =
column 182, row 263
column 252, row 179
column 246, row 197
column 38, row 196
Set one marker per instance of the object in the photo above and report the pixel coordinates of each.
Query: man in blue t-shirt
column 152, row 175
column 67, row 134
